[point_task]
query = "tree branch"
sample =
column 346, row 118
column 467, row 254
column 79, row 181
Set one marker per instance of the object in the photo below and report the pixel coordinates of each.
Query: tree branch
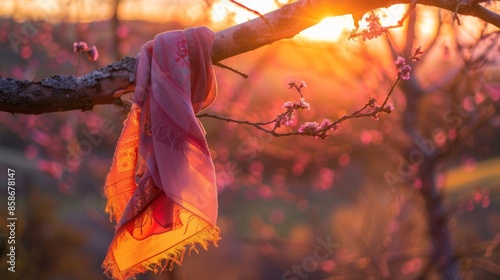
column 466, row 7
column 66, row 92
column 106, row 85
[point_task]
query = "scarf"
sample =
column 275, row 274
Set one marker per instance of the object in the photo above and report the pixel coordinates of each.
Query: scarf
column 161, row 187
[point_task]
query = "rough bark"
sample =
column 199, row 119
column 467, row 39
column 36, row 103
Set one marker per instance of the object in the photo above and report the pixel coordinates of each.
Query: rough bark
column 104, row 86
column 66, row 92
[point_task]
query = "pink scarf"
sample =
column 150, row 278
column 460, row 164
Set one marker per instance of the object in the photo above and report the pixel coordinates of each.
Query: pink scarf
column 161, row 187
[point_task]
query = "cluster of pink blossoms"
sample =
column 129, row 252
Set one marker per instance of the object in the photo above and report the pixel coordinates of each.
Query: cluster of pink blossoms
column 388, row 108
column 82, row 47
column 314, row 127
column 295, row 105
column 292, row 84
column 291, row 107
column 321, row 130
column 309, row 128
column 374, row 29
column 403, row 68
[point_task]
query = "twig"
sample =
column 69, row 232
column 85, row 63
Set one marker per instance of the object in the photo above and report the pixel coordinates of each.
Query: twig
column 376, row 29
column 321, row 130
column 470, row 4
column 321, row 133
column 223, row 66
column 410, row 9
column 78, row 65
column 252, row 11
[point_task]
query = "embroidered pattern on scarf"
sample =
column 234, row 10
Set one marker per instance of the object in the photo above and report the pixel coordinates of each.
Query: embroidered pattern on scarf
column 161, row 188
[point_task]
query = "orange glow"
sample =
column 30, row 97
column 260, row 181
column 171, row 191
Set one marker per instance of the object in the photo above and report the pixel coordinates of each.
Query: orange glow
column 224, row 8
column 391, row 16
column 53, row 10
column 221, row 12
column 329, row 29
column 427, row 23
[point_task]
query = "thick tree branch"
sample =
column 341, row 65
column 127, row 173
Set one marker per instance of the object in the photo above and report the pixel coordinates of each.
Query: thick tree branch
column 66, row 92
column 104, row 86
column 466, row 7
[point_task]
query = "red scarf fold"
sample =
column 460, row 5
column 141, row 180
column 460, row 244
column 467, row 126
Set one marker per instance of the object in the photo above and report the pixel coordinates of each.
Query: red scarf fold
column 161, row 187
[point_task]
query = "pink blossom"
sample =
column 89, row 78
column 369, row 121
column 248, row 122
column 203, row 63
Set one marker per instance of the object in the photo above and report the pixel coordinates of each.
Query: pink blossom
column 373, row 22
column 288, row 105
column 403, row 68
column 400, row 61
column 325, row 123
column 302, row 104
column 374, row 28
column 309, row 127
column 93, row 53
column 389, row 108
column 288, row 119
column 405, row 72
column 375, row 117
column 303, row 84
column 80, row 47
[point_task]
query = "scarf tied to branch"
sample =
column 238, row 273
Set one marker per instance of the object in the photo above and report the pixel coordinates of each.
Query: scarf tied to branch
column 161, row 187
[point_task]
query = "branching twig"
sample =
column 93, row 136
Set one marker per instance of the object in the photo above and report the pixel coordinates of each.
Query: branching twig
column 223, row 66
column 375, row 29
column 314, row 129
column 29, row 97
column 410, row 9
column 468, row 5
column 252, row 11
column 370, row 109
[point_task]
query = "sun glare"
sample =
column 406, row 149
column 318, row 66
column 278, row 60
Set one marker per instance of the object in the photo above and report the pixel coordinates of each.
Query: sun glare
column 329, row 29
column 5, row 8
column 222, row 12
column 392, row 15
column 219, row 12
column 427, row 23
column 224, row 8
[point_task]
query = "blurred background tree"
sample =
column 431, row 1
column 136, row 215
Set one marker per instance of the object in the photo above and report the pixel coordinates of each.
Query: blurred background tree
column 413, row 195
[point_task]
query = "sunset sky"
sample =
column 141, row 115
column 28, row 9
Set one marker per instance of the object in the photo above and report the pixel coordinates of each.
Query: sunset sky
column 220, row 13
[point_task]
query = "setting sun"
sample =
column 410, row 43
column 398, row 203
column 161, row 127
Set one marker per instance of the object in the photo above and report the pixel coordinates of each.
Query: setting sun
column 277, row 139
column 329, row 29
column 220, row 13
